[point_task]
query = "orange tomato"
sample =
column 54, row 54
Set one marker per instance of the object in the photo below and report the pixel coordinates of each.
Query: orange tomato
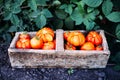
column 47, row 34
column 94, row 37
column 65, row 35
column 69, row 46
column 24, row 35
column 54, row 42
column 49, row 46
column 76, row 38
column 23, row 44
column 99, row 47
column 88, row 46
column 36, row 42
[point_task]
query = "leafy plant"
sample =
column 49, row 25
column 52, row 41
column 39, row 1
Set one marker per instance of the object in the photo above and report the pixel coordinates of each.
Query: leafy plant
column 32, row 15
column 70, row 71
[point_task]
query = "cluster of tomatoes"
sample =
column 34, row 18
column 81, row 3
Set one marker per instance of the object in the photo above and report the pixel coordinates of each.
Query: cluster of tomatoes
column 76, row 40
column 43, row 39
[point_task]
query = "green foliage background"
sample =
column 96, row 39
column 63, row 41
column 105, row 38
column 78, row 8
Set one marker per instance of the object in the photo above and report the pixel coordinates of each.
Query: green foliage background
column 32, row 15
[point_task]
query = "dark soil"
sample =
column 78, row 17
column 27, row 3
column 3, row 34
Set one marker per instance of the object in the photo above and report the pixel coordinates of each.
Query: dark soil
column 9, row 73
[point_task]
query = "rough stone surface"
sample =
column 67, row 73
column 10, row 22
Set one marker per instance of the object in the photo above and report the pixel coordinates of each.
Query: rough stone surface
column 9, row 73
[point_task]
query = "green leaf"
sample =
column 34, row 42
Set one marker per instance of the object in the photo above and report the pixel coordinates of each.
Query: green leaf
column 15, row 20
column 12, row 29
column 20, row 2
column 40, row 21
column 96, row 27
column 70, row 71
column 69, row 23
column 34, row 14
column 114, row 17
column 93, row 3
column 89, row 24
column 92, row 16
column 15, row 8
column 47, row 13
column 8, row 4
column 117, row 31
column 90, row 9
column 63, row 6
column 41, row 2
column 61, row 14
column 81, row 5
column 100, row 17
column 107, row 7
column 7, row 15
column 77, row 17
column 32, row 4
column 69, row 9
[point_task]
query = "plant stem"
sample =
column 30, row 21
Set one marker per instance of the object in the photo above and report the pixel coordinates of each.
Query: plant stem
column 111, row 35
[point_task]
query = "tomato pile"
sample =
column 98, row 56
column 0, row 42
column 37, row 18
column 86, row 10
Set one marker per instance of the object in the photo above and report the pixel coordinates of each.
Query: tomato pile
column 44, row 39
column 73, row 40
column 76, row 40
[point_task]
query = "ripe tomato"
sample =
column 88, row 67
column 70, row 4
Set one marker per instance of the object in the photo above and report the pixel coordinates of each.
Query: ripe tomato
column 65, row 35
column 49, row 46
column 24, row 35
column 69, row 46
column 94, row 37
column 23, row 43
column 36, row 42
column 47, row 34
column 54, row 42
column 99, row 47
column 76, row 38
column 88, row 46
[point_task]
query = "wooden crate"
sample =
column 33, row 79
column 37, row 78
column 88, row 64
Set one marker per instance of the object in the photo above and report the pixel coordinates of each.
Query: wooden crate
column 33, row 58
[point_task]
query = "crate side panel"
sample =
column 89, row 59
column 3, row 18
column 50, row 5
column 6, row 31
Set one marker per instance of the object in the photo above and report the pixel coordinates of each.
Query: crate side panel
column 89, row 60
column 28, row 59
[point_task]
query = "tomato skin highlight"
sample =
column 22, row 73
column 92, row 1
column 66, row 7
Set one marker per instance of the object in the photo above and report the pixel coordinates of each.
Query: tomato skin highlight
column 49, row 46
column 99, row 47
column 69, row 46
column 76, row 38
column 23, row 44
column 36, row 42
column 24, row 35
column 94, row 37
column 88, row 46
column 65, row 35
column 46, row 33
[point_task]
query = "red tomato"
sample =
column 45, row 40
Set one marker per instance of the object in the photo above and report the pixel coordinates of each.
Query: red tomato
column 65, row 35
column 69, row 46
column 94, row 37
column 88, row 46
column 23, row 43
column 99, row 47
column 49, row 46
column 24, row 35
column 36, row 42
column 54, row 42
